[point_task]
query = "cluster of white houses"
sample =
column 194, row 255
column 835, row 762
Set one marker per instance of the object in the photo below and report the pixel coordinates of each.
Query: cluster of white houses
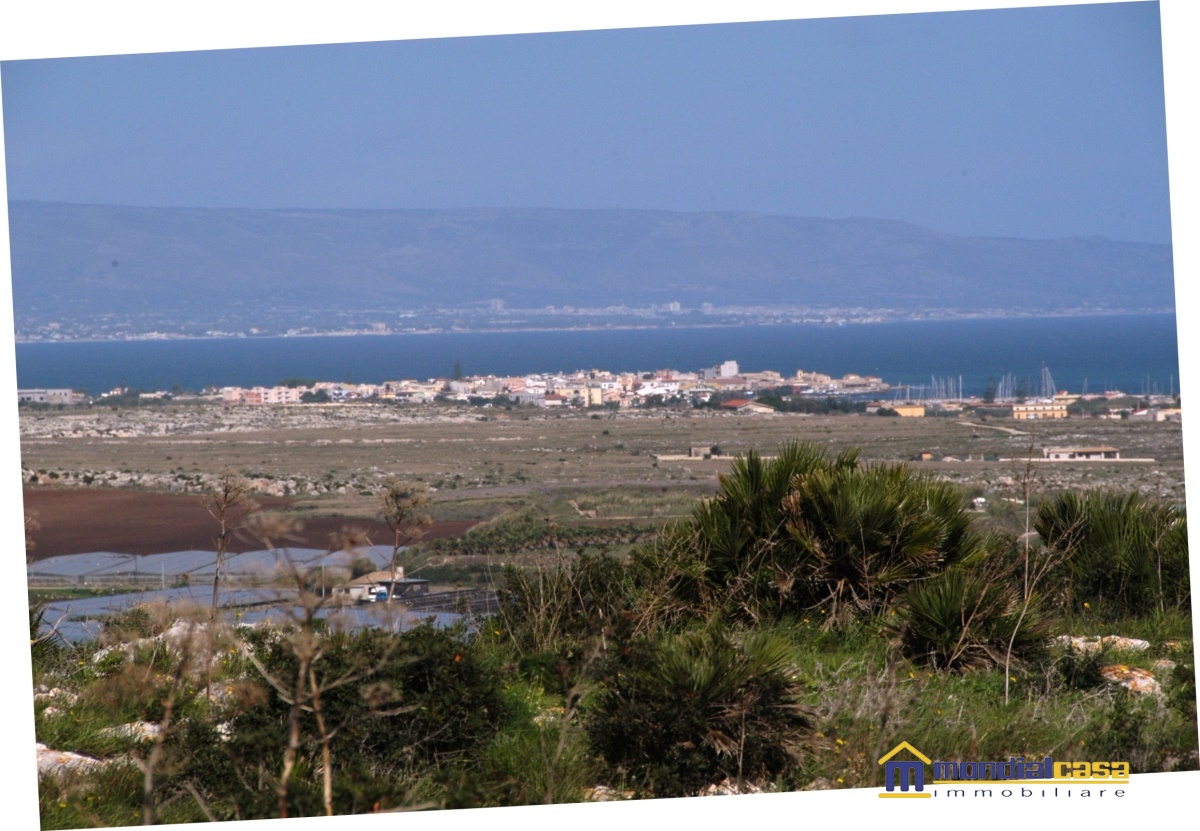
column 597, row 388
column 1040, row 409
column 591, row 388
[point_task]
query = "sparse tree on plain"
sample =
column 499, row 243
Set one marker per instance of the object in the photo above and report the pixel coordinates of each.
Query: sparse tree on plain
column 228, row 503
column 405, row 508
column 32, row 525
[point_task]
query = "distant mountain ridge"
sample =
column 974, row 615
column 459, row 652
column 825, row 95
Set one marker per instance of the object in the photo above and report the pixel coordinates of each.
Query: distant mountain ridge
column 168, row 264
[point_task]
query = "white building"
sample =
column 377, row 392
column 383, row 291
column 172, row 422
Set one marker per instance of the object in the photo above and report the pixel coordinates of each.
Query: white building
column 1081, row 454
column 50, row 396
column 729, row 369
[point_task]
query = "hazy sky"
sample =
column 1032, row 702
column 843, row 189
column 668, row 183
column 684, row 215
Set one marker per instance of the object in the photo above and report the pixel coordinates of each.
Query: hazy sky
column 1031, row 123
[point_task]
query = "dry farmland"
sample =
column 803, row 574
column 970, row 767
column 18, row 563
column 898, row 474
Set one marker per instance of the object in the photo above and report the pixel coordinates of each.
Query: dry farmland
column 328, row 460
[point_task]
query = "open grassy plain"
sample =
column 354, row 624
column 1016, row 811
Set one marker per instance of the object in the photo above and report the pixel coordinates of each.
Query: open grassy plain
column 331, row 459
column 132, row 479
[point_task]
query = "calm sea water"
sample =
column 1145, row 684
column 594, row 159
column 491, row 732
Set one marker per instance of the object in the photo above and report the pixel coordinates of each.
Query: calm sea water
column 1134, row 353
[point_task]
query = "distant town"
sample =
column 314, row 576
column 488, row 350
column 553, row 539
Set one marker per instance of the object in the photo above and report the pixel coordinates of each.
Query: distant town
column 494, row 315
column 724, row 386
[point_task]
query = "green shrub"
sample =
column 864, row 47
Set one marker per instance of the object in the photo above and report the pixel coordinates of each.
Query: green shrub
column 128, row 625
column 966, row 618
column 563, row 609
column 682, row 712
column 45, row 649
column 1123, row 554
column 1080, row 670
column 807, row 531
column 108, row 797
column 361, row 566
column 1135, row 729
column 527, row 530
column 1181, row 691
column 130, row 693
column 866, row 534
column 421, row 696
column 541, row 757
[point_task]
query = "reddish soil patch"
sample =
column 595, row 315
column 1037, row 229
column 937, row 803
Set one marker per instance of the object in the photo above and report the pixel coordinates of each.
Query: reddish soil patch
column 136, row 522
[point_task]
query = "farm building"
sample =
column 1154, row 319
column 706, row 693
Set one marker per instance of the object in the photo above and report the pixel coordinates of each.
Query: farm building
column 1086, row 454
column 361, row 589
column 1026, row 412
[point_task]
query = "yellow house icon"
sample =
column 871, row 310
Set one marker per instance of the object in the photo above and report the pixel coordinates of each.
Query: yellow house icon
column 898, row 772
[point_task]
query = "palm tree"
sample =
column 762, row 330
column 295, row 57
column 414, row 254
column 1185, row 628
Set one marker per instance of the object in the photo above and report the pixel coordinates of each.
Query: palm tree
column 970, row 616
column 863, row 535
column 1121, row 550
column 809, row 530
column 684, row 711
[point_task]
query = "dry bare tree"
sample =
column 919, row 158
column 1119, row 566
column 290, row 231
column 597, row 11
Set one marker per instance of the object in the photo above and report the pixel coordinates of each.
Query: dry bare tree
column 303, row 692
column 150, row 762
column 229, row 503
column 404, row 506
column 31, row 525
column 194, row 647
column 1036, row 564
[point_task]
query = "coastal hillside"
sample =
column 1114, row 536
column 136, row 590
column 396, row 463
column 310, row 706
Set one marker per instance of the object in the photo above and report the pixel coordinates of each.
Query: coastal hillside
column 171, row 266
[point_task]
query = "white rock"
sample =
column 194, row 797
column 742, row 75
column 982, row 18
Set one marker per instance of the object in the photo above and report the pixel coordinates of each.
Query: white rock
column 143, row 731
column 729, row 787
column 58, row 762
column 182, row 634
column 108, row 650
column 1095, row 644
column 1133, row 679
column 603, row 793
column 57, row 694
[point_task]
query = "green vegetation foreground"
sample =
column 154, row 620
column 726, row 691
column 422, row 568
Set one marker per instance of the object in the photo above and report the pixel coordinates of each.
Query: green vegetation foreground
column 795, row 627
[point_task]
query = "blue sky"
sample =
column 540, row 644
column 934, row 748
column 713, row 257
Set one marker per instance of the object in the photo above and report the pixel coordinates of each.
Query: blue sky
column 1029, row 123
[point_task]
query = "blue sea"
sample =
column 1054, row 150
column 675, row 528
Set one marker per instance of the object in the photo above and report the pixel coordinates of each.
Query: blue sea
column 1133, row 353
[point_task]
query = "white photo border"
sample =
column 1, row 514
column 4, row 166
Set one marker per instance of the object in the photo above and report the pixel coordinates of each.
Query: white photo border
column 62, row 28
